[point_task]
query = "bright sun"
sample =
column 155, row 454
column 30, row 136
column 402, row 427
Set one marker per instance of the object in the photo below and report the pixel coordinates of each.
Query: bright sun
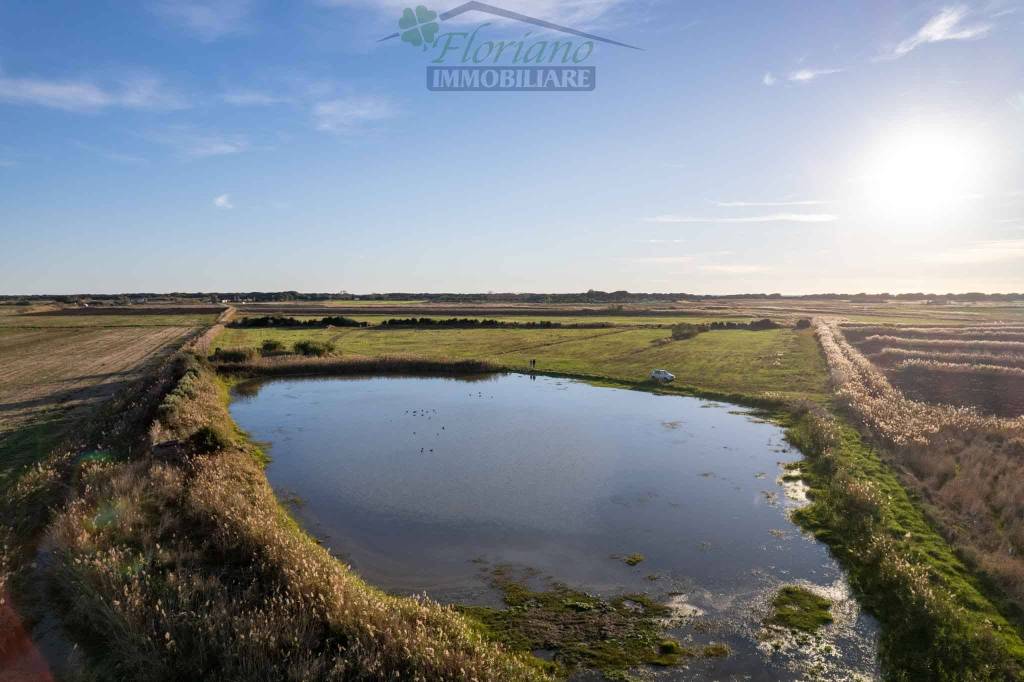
column 920, row 173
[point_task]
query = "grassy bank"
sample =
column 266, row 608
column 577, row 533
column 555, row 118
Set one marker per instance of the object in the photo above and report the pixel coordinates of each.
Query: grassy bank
column 182, row 565
column 779, row 363
column 178, row 562
column 938, row 622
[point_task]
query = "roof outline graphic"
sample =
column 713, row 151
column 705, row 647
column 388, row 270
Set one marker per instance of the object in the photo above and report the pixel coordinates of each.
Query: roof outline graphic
column 474, row 6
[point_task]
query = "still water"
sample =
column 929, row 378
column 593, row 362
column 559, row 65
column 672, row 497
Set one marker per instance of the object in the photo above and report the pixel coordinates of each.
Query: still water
column 427, row 484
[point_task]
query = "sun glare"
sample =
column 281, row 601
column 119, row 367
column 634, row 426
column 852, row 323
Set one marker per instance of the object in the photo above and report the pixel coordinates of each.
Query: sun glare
column 921, row 173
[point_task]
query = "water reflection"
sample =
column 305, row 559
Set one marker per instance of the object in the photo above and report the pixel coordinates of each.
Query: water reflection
column 423, row 484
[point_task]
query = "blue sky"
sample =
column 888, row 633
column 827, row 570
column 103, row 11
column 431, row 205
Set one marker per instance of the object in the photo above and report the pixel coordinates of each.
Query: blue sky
column 750, row 146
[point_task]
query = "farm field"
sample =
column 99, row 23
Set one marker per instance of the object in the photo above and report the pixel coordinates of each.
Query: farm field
column 733, row 361
column 968, row 366
column 55, row 367
column 98, row 321
column 783, row 364
column 96, row 317
column 895, row 312
column 965, row 463
column 53, row 374
column 565, row 320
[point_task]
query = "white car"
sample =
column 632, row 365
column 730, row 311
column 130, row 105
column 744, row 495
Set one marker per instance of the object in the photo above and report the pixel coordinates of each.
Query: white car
column 662, row 375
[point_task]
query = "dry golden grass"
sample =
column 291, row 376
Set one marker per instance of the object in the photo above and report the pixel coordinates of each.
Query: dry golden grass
column 976, row 368
column 184, row 566
column 969, row 467
column 892, row 356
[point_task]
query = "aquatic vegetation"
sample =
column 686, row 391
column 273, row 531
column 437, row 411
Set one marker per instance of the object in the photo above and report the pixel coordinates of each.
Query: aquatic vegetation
column 204, row 534
column 583, row 631
column 633, row 559
column 938, row 620
column 716, row 650
column 797, row 608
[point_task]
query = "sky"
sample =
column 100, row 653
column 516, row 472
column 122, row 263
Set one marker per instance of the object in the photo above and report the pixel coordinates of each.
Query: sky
column 239, row 145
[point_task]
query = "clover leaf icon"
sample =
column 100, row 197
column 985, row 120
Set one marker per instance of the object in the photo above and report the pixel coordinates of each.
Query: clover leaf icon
column 419, row 27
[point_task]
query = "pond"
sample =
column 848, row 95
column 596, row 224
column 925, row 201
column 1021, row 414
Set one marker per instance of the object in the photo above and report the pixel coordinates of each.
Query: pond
column 429, row 485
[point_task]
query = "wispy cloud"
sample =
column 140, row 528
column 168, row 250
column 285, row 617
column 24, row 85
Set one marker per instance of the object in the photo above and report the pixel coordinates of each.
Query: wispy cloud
column 948, row 24
column 799, row 76
column 808, row 75
column 977, row 253
column 347, row 115
column 208, row 20
column 192, row 143
column 223, row 202
column 770, row 218
column 735, row 269
column 768, row 204
column 84, row 95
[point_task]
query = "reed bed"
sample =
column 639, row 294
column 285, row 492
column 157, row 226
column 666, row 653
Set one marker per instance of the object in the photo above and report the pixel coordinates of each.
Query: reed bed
column 916, row 364
column 968, row 467
column 882, row 407
column 182, row 565
column 290, row 365
column 993, row 332
column 892, row 356
column 876, row 342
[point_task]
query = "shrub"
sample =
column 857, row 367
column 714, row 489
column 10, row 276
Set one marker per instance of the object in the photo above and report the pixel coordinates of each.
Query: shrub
column 313, row 348
column 803, row 323
column 761, row 325
column 234, row 354
column 209, row 439
column 271, row 346
column 685, row 330
column 272, row 321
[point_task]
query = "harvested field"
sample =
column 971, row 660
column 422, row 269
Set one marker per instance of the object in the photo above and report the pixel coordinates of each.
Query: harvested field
column 966, row 465
column 877, row 342
column 54, row 321
column 135, row 310
column 917, row 313
column 992, row 388
column 888, row 357
column 979, row 366
column 48, row 370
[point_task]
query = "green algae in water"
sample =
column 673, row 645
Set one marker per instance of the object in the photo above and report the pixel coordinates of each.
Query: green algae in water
column 583, row 631
column 797, row 608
